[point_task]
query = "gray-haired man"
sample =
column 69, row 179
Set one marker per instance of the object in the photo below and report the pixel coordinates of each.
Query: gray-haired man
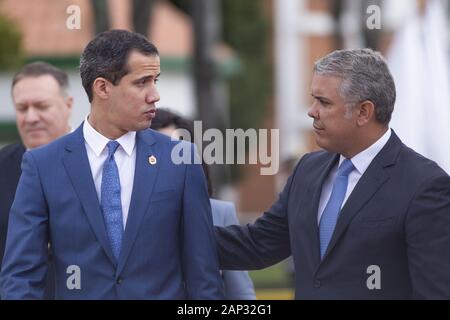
column 43, row 106
column 367, row 218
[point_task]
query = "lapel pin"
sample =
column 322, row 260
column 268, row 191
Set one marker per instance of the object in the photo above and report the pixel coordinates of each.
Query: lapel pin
column 152, row 160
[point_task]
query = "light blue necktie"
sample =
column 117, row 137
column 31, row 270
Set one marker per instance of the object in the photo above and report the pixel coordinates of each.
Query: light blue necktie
column 331, row 212
column 110, row 200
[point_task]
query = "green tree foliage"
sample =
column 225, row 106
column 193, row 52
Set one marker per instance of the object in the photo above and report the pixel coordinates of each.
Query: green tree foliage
column 11, row 52
column 247, row 31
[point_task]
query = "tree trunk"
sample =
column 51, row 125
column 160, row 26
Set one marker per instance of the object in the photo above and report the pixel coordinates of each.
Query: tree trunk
column 210, row 109
column 142, row 12
column 101, row 15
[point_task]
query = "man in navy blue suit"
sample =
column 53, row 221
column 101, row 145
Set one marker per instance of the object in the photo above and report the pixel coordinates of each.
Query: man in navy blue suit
column 367, row 218
column 124, row 221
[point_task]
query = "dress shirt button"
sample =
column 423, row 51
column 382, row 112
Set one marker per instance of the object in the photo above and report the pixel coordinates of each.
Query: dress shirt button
column 119, row 280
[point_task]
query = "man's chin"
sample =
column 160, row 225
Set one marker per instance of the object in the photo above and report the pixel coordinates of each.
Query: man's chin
column 36, row 142
column 32, row 145
column 142, row 126
column 322, row 142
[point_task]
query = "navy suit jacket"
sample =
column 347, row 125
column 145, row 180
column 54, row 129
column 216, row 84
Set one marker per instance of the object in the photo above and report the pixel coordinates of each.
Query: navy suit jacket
column 397, row 219
column 237, row 284
column 168, row 249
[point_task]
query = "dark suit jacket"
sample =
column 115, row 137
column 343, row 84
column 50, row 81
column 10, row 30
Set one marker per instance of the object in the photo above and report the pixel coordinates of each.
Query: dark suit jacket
column 10, row 160
column 396, row 218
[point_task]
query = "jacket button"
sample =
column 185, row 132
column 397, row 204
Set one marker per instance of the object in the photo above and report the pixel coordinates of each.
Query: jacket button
column 317, row 283
column 119, row 280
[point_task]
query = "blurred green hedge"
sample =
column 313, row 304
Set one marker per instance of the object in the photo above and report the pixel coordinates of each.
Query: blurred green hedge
column 11, row 51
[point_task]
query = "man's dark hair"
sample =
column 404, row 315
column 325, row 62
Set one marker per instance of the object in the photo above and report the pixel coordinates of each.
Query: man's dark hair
column 165, row 118
column 107, row 55
column 37, row 69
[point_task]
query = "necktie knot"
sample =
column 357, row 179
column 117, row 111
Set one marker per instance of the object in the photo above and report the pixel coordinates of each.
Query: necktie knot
column 345, row 168
column 112, row 147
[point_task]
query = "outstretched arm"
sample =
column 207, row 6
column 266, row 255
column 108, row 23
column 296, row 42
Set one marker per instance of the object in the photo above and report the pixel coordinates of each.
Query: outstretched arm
column 261, row 244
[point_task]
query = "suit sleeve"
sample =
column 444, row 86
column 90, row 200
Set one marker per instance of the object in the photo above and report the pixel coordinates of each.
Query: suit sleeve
column 237, row 284
column 24, row 268
column 428, row 239
column 200, row 261
column 261, row 244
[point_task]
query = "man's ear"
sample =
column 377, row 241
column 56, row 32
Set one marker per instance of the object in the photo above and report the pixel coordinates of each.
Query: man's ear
column 366, row 111
column 100, row 88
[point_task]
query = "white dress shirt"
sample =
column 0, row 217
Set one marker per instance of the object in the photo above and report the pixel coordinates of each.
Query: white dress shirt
column 361, row 161
column 125, row 157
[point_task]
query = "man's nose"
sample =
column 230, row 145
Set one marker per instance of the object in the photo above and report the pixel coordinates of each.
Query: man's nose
column 152, row 96
column 31, row 115
column 313, row 111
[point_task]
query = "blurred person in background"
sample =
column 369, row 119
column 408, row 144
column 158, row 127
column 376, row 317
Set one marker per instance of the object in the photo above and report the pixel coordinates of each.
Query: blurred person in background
column 365, row 218
column 237, row 284
column 43, row 107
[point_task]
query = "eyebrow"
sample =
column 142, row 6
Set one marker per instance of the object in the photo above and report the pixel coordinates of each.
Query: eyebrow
column 36, row 102
column 319, row 97
column 146, row 78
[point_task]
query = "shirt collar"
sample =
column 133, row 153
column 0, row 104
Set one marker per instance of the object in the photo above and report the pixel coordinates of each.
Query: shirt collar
column 98, row 142
column 362, row 160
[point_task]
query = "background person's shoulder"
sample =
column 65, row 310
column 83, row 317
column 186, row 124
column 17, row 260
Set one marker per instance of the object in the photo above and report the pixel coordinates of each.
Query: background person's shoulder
column 418, row 166
column 10, row 150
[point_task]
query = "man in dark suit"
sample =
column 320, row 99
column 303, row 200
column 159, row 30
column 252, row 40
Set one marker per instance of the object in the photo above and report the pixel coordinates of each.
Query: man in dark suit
column 124, row 221
column 10, row 159
column 368, row 218
column 43, row 106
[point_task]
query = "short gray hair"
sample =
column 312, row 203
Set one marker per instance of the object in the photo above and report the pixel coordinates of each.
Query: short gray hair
column 365, row 76
column 38, row 69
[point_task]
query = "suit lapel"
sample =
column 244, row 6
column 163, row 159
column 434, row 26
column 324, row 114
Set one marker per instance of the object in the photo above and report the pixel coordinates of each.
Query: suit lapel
column 313, row 199
column 371, row 181
column 144, row 180
column 367, row 186
column 77, row 166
